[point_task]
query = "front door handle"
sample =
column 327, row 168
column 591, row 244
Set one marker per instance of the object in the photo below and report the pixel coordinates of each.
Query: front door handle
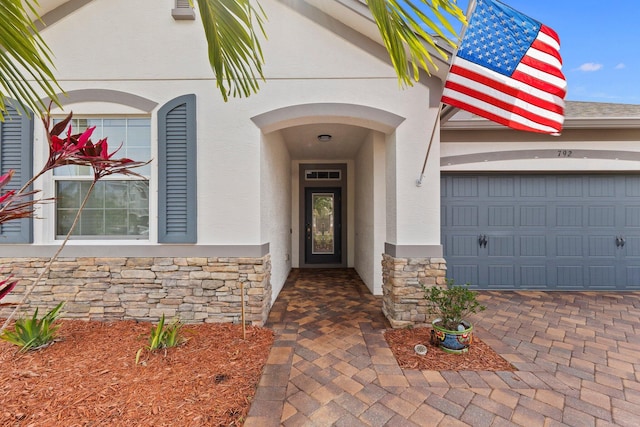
column 308, row 229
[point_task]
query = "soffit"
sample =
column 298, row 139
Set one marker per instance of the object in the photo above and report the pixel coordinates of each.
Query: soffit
column 302, row 141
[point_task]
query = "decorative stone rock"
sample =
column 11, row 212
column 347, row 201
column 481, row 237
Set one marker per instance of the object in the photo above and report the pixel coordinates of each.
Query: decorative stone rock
column 192, row 289
column 403, row 298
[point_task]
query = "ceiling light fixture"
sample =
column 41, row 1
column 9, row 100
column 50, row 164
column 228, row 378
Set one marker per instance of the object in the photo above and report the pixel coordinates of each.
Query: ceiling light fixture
column 324, row 137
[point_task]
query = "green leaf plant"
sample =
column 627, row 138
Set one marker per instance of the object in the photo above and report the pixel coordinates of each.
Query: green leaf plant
column 31, row 333
column 451, row 304
column 163, row 336
column 26, row 66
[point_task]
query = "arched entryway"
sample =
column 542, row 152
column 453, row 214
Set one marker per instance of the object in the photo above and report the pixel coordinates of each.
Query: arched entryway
column 345, row 168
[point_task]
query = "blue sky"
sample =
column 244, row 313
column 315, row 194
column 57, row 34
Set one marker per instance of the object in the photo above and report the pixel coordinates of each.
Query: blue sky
column 598, row 42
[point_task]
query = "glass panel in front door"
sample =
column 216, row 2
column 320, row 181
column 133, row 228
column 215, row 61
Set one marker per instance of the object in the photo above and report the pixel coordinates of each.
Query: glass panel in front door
column 322, row 226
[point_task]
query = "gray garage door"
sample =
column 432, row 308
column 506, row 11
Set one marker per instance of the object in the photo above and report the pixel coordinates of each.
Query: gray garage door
column 560, row 232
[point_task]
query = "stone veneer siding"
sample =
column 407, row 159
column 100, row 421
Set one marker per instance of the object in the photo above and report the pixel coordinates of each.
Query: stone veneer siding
column 192, row 289
column 403, row 300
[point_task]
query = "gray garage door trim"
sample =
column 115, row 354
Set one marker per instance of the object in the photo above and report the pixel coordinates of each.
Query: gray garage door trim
column 550, row 232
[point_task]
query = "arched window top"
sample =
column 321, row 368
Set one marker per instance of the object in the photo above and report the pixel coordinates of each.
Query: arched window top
column 105, row 95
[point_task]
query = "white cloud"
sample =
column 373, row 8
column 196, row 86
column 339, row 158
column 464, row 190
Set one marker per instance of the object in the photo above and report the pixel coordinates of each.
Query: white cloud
column 620, row 66
column 590, row 66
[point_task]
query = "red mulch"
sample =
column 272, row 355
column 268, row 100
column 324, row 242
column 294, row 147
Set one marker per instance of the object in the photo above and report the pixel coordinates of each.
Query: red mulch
column 89, row 377
column 479, row 358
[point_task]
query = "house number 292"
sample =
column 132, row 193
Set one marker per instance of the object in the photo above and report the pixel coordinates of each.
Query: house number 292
column 564, row 153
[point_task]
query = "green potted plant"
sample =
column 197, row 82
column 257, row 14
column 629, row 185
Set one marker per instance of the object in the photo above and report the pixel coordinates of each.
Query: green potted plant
column 449, row 307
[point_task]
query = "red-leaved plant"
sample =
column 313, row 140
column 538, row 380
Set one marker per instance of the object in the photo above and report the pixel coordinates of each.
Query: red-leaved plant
column 67, row 149
column 13, row 205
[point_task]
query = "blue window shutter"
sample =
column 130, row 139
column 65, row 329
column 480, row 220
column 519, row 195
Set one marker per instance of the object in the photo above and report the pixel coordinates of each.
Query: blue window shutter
column 177, row 202
column 16, row 152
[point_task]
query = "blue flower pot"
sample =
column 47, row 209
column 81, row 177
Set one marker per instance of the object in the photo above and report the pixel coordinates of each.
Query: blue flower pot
column 453, row 341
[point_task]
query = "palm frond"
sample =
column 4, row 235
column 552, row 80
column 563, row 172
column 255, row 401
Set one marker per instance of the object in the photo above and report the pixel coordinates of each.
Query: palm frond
column 25, row 61
column 408, row 32
column 234, row 49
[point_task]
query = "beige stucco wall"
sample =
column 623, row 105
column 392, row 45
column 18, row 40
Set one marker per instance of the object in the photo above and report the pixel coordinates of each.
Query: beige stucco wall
column 247, row 182
column 275, row 182
column 370, row 212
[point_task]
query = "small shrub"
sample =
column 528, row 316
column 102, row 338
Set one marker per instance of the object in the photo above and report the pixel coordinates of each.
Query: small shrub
column 162, row 336
column 451, row 303
column 30, row 333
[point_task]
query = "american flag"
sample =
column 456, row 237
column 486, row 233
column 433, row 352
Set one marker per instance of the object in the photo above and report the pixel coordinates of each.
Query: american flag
column 508, row 70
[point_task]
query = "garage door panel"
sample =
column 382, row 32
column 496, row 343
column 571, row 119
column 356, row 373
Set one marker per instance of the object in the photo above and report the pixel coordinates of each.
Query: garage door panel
column 533, row 216
column 501, row 276
column 632, row 186
column 500, row 186
column 602, row 216
column 569, row 246
column 543, row 231
column 602, row 277
column 464, row 245
column 533, row 276
column 464, row 186
column 570, row 276
column 465, row 274
column 602, row 247
column 500, row 246
column 632, row 247
column 533, row 186
column 632, row 216
column 600, row 186
column 569, row 216
column 569, row 186
column 501, row 216
column 465, row 216
column 633, row 278
column 533, row 246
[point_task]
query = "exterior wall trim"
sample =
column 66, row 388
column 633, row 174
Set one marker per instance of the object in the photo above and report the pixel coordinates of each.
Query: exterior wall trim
column 135, row 251
column 294, row 115
column 105, row 95
column 496, row 156
column 413, row 251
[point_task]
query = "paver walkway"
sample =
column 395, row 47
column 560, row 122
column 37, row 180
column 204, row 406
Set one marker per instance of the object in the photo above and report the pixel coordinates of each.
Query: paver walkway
column 577, row 355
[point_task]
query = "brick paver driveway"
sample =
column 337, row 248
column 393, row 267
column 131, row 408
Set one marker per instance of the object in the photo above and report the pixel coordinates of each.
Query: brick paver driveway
column 577, row 355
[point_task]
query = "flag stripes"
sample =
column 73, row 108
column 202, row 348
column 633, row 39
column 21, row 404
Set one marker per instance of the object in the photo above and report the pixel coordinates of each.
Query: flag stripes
column 511, row 75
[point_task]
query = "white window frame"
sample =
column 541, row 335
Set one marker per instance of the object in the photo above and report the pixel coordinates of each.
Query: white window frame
column 50, row 211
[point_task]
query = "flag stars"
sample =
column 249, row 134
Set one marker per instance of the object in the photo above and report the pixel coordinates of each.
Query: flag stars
column 497, row 38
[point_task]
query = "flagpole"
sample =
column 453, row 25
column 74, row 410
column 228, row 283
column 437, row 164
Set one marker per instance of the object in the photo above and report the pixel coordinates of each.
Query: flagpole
column 426, row 157
column 470, row 7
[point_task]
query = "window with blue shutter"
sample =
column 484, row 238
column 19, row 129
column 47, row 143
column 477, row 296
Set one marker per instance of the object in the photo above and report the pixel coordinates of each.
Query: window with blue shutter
column 16, row 152
column 177, row 215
